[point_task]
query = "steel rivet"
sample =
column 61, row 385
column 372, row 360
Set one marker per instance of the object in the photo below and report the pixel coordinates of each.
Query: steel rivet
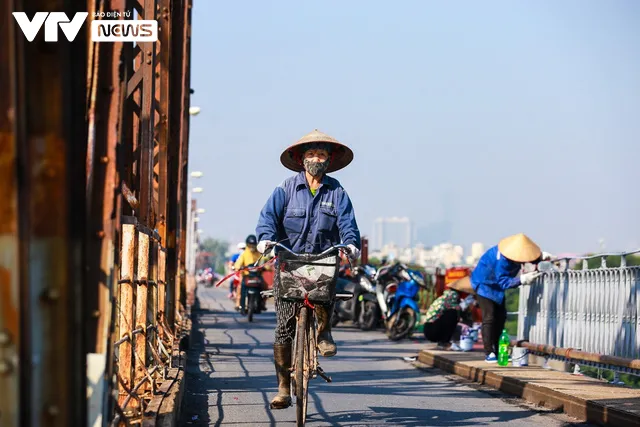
column 5, row 367
column 5, row 338
column 53, row 410
column 51, row 294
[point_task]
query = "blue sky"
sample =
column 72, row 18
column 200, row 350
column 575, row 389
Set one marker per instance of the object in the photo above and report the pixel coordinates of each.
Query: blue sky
column 522, row 116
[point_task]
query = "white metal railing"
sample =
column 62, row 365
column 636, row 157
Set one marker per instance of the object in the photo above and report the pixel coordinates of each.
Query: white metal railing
column 593, row 309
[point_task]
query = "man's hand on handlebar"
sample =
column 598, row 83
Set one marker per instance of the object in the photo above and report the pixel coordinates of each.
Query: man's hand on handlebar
column 265, row 245
column 354, row 253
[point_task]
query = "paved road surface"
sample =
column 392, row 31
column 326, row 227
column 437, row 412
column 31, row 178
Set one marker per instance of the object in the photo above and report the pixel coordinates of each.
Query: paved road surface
column 231, row 379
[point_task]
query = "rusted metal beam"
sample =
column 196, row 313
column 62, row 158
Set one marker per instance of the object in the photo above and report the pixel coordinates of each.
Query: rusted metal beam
column 147, row 115
column 184, row 150
column 162, row 133
column 9, row 238
column 104, row 114
column 126, row 160
column 44, row 130
column 152, row 312
column 162, row 290
column 51, row 138
column 125, row 307
column 142, row 289
column 102, row 185
column 174, row 158
column 162, row 127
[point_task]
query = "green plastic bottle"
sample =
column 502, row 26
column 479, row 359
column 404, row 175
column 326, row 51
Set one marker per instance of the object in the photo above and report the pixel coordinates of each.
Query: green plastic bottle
column 503, row 349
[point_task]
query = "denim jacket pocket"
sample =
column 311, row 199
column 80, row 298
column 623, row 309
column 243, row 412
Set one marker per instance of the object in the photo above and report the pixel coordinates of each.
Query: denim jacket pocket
column 327, row 219
column 294, row 221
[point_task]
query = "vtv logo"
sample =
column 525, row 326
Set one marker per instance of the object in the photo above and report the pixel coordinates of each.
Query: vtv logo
column 111, row 30
column 31, row 28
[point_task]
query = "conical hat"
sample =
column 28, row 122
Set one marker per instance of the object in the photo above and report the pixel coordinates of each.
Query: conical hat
column 341, row 155
column 519, row 248
column 462, row 285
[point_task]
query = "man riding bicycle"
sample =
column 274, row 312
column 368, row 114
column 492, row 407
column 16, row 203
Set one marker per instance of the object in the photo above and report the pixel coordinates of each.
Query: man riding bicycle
column 309, row 212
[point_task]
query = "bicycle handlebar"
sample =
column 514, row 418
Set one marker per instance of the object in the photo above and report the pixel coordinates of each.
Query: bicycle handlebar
column 325, row 252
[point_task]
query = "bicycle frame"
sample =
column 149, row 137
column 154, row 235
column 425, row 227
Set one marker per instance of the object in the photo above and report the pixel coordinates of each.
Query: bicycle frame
column 307, row 325
column 313, row 339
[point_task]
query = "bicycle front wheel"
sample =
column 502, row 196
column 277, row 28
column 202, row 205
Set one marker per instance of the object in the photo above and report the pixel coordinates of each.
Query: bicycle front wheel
column 302, row 365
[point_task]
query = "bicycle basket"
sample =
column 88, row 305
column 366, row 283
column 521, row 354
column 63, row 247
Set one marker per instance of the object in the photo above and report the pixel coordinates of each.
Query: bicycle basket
column 310, row 276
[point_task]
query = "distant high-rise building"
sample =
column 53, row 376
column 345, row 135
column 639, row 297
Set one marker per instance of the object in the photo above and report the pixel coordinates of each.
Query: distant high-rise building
column 477, row 250
column 394, row 230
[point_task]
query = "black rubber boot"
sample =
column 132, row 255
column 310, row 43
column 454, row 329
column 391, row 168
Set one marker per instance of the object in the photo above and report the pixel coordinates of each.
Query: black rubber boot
column 326, row 345
column 282, row 358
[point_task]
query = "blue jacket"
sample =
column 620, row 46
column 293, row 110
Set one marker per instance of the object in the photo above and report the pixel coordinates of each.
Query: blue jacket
column 494, row 274
column 308, row 224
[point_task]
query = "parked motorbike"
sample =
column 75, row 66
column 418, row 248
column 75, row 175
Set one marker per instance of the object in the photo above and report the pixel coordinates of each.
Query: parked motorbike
column 386, row 279
column 363, row 308
column 403, row 313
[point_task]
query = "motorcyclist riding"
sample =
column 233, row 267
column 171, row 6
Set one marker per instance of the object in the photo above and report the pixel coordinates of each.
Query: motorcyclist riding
column 247, row 258
column 309, row 212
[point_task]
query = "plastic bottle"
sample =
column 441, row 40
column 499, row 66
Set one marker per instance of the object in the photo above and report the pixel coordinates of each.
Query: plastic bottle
column 503, row 349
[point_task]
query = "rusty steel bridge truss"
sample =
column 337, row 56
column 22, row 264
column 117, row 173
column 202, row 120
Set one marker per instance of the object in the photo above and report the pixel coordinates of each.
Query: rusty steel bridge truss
column 93, row 182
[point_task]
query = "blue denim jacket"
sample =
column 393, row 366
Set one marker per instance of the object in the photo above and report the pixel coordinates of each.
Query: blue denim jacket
column 494, row 274
column 309, row 224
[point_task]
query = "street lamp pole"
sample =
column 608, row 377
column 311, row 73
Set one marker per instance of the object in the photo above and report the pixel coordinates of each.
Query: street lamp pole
column 190, row 243
column 191, row 232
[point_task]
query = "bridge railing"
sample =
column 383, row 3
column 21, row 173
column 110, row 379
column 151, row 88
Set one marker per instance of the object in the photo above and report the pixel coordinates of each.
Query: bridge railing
column 593, row 310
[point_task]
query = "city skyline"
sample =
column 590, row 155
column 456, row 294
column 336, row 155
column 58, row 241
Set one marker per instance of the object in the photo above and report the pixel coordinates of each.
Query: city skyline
column 439, row 237
column 398, row 230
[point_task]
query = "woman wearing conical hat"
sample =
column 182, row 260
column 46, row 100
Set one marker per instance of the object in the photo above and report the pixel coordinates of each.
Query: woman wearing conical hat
column 441, row 324
column 309, row 213
column 497, row 271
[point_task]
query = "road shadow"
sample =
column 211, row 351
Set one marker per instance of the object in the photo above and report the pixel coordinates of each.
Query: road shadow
column 203, row 390
column 414, row 417
column 195, row 403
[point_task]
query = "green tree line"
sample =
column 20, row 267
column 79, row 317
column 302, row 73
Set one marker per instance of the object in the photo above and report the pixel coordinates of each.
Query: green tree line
column 218, row 249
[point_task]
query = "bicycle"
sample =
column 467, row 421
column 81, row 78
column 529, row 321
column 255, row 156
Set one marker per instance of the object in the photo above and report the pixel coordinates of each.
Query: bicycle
column 317, row 287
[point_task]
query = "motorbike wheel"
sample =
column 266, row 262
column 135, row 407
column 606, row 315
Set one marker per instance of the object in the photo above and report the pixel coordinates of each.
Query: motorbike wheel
column 368, row 316
column 404, row 325
column 252, row 307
